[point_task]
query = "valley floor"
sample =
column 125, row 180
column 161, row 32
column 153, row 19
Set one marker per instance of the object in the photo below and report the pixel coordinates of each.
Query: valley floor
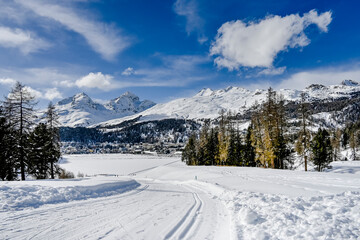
column 150, row 197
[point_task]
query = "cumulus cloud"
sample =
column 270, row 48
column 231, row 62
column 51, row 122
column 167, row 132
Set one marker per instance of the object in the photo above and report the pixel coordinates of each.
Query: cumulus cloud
column 35, row 93
column 194, row 23
column 96, row 80
column 103, row 38
column 129, row 71
column 26, row 41
column 52, row 93
column 256, row 44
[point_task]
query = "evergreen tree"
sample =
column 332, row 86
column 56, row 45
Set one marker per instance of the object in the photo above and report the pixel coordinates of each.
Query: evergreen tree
column 249, row 151
column 345, row 139
column 203, row 141
column 19, row 112
column 7, row 165
column 212, row 148
column 321, row 149
column 189, row 154
column 52, row 121
column 231, row 150
column 240, row 158
column 39, row 157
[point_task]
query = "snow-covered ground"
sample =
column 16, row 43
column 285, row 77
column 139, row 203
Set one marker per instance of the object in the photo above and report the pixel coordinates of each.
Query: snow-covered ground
column 150, row 197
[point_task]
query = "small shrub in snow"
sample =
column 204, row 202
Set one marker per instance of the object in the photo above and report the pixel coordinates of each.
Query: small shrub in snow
column 66, row 174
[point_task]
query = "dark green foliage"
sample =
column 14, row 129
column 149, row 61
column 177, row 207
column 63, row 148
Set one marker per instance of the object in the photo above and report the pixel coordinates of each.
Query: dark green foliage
column 7, row 164
column 249, row 150
column 80, row 134
column 212, row 147
column 40, row 155
column 19, row 112
column 189, row 154
column 345, row 139
column 321, row 149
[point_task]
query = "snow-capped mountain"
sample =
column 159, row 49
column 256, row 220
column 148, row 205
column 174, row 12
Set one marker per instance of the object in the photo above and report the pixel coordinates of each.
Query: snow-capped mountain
column 207, row 103
column 81, row 110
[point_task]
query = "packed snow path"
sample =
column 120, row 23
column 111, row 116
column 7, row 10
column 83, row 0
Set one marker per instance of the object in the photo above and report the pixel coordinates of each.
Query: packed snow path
column 149, row 197
column 156, row 209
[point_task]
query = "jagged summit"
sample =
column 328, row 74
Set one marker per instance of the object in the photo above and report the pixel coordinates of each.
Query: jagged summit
column 81, row 110
column 349, row 82
column 207, row 102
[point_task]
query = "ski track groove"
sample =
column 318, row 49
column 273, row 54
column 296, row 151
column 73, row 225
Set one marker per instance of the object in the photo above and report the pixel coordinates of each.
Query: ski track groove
column 186, row 222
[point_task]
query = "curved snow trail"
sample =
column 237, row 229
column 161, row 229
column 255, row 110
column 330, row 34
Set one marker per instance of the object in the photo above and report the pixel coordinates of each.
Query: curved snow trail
column 155, row 210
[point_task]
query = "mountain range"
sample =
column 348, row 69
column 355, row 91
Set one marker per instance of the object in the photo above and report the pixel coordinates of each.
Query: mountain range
column 127, row 119
column 81, row 111
column 207, row 103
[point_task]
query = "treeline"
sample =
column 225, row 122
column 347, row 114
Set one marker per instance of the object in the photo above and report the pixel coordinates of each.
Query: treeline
column 27, row 148
column 270, row 140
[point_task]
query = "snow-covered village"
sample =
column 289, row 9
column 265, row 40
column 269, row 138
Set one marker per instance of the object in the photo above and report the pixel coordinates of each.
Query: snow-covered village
column 181, row 119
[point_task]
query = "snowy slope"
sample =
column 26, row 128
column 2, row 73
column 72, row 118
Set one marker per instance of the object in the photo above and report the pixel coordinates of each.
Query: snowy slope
column 170, row 200
column 81, row 110
column 208, row 103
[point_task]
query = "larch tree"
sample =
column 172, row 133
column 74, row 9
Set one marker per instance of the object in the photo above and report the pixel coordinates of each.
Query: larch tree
column 304, row 136
column 19, row 111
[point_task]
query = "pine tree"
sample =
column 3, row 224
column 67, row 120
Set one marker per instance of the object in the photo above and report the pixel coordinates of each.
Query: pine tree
column 189, row 154
column 212, row 148
column 52, row 121
column 39, row 157
column 19, row 112
column 7, row 165
column 231, row 150
column 202, row 155
column 239, row 149
column 249, row 151
column 321, row 149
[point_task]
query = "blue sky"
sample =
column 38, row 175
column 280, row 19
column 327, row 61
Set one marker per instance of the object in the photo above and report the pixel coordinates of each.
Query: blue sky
column 162, row 50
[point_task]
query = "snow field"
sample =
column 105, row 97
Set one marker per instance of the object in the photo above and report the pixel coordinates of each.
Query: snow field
column 34, row 194
column 162, row 198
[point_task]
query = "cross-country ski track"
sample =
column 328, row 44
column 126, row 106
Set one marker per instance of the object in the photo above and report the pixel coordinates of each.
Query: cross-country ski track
column 152, row 197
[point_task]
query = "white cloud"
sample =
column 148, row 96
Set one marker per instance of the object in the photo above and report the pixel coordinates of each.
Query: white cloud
column 33, row 92
column 325, row 76
column 26, row 41
column 7, row 81
column 96, row 80
column 194, row 23
column 272, row 71
column 129, row 71
column 103, row 38
column 256, row 44
column 52, row 93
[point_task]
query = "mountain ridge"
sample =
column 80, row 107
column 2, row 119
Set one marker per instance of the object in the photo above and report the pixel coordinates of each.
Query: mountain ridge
column 207, row 102
column 81, row 111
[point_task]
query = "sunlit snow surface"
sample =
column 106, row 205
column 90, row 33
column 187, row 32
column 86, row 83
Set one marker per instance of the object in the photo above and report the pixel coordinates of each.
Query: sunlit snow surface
column 151, row 197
